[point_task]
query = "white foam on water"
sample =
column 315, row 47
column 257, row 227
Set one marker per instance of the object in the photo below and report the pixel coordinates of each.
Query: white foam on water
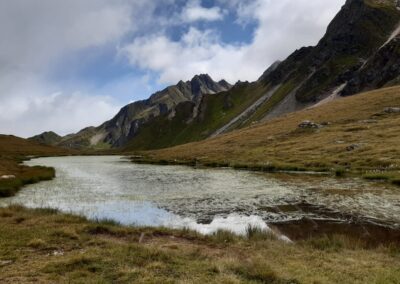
column 233, row 223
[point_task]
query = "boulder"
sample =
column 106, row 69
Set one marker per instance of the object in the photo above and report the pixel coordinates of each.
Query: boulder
column 7, row 177
column 352, row 147
column 309, row 125
column 392, row 110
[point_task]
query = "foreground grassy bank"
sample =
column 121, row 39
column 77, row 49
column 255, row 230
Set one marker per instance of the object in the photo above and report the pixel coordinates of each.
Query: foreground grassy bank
column 14, row 175
column 46, row 246
column 355, row 135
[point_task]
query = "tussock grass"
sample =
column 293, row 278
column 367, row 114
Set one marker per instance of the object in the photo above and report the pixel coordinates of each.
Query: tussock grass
column 50, row 247
column 255, row 233
column 335, row 243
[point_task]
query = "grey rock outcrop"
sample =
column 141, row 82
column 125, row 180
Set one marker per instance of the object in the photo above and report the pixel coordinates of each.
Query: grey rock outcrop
column 392, row 110
column 309, row 125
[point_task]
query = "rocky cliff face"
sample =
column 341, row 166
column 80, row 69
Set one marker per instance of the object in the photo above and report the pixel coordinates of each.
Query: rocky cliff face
column 126, row 124
column 382, row 69
column 353, row 37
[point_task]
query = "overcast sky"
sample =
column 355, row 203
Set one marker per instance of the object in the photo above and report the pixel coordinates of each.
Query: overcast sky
column 65, row 65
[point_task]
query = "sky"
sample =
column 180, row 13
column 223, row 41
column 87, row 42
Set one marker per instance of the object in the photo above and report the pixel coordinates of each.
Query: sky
column 66, row 65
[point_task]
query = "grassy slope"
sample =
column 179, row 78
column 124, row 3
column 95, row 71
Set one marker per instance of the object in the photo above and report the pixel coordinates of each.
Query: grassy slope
column 217, row 110
column 45, row 246
column 12, row 151
column 358, row 120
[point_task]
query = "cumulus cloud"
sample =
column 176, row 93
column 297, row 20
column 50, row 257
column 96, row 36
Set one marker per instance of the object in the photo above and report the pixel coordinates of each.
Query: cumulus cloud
column 35, row 35
column 36, row 32
column 34, row 107
column 197, row 52
column 193, row 12
column 283, row 26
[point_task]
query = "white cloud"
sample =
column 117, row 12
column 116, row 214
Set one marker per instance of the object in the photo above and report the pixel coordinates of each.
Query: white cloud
column 35, row 107
column 194, row 11
column 36, row 34
column 283, row 26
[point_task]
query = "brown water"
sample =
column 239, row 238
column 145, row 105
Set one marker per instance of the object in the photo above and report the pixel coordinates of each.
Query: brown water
column 205, row 199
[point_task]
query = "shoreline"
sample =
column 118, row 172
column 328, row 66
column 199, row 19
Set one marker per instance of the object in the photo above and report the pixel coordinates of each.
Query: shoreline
column 268, row 168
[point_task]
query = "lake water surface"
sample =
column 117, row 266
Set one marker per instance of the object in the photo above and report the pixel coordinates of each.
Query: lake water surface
column 111, row 187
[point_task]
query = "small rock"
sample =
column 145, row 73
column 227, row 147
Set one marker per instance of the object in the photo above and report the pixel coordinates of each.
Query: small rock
column 309, row 125
column 5, row 262
column 368, row 121
column 141, row 239
column 58, row 253
column 7, row 177
column 352, row 147
column 392, row 110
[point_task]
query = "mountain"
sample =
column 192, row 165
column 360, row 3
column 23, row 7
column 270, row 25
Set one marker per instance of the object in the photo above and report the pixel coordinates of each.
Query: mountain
column 359, row 52
column 118, row 131
column 47, row 138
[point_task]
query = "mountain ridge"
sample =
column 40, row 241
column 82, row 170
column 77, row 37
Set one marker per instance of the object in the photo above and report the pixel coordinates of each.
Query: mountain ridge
column 127, row 122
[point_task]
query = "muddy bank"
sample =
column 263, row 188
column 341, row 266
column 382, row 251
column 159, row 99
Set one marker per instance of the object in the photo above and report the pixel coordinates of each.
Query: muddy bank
column 370, row 234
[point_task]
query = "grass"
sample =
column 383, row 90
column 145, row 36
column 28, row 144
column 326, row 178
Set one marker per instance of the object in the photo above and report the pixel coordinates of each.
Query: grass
column 13, row 151
column 358, row 138
column 24, row 175
column 46, row 246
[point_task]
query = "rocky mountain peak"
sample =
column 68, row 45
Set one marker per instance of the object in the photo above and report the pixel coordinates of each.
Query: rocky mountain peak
column 204, row 84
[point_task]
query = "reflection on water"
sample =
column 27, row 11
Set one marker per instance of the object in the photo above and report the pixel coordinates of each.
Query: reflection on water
column 202, row 199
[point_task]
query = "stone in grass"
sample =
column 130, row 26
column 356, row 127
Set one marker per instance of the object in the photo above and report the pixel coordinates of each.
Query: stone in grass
column 309, row 125
column 392, row 110
column 352, row 147
column 7, row 177
column 5, row 262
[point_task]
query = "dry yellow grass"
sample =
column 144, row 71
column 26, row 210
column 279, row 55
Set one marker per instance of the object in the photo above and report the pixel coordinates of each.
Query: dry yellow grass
column 358, row 136
column 43, row 246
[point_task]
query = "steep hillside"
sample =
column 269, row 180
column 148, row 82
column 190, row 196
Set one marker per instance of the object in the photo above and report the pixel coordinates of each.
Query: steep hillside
column 214, row 112
column 358, row 40
column 359, row 134
column 128, row 122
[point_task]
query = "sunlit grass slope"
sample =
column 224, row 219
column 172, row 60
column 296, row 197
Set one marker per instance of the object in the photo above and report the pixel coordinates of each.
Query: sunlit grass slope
column 356, row 135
